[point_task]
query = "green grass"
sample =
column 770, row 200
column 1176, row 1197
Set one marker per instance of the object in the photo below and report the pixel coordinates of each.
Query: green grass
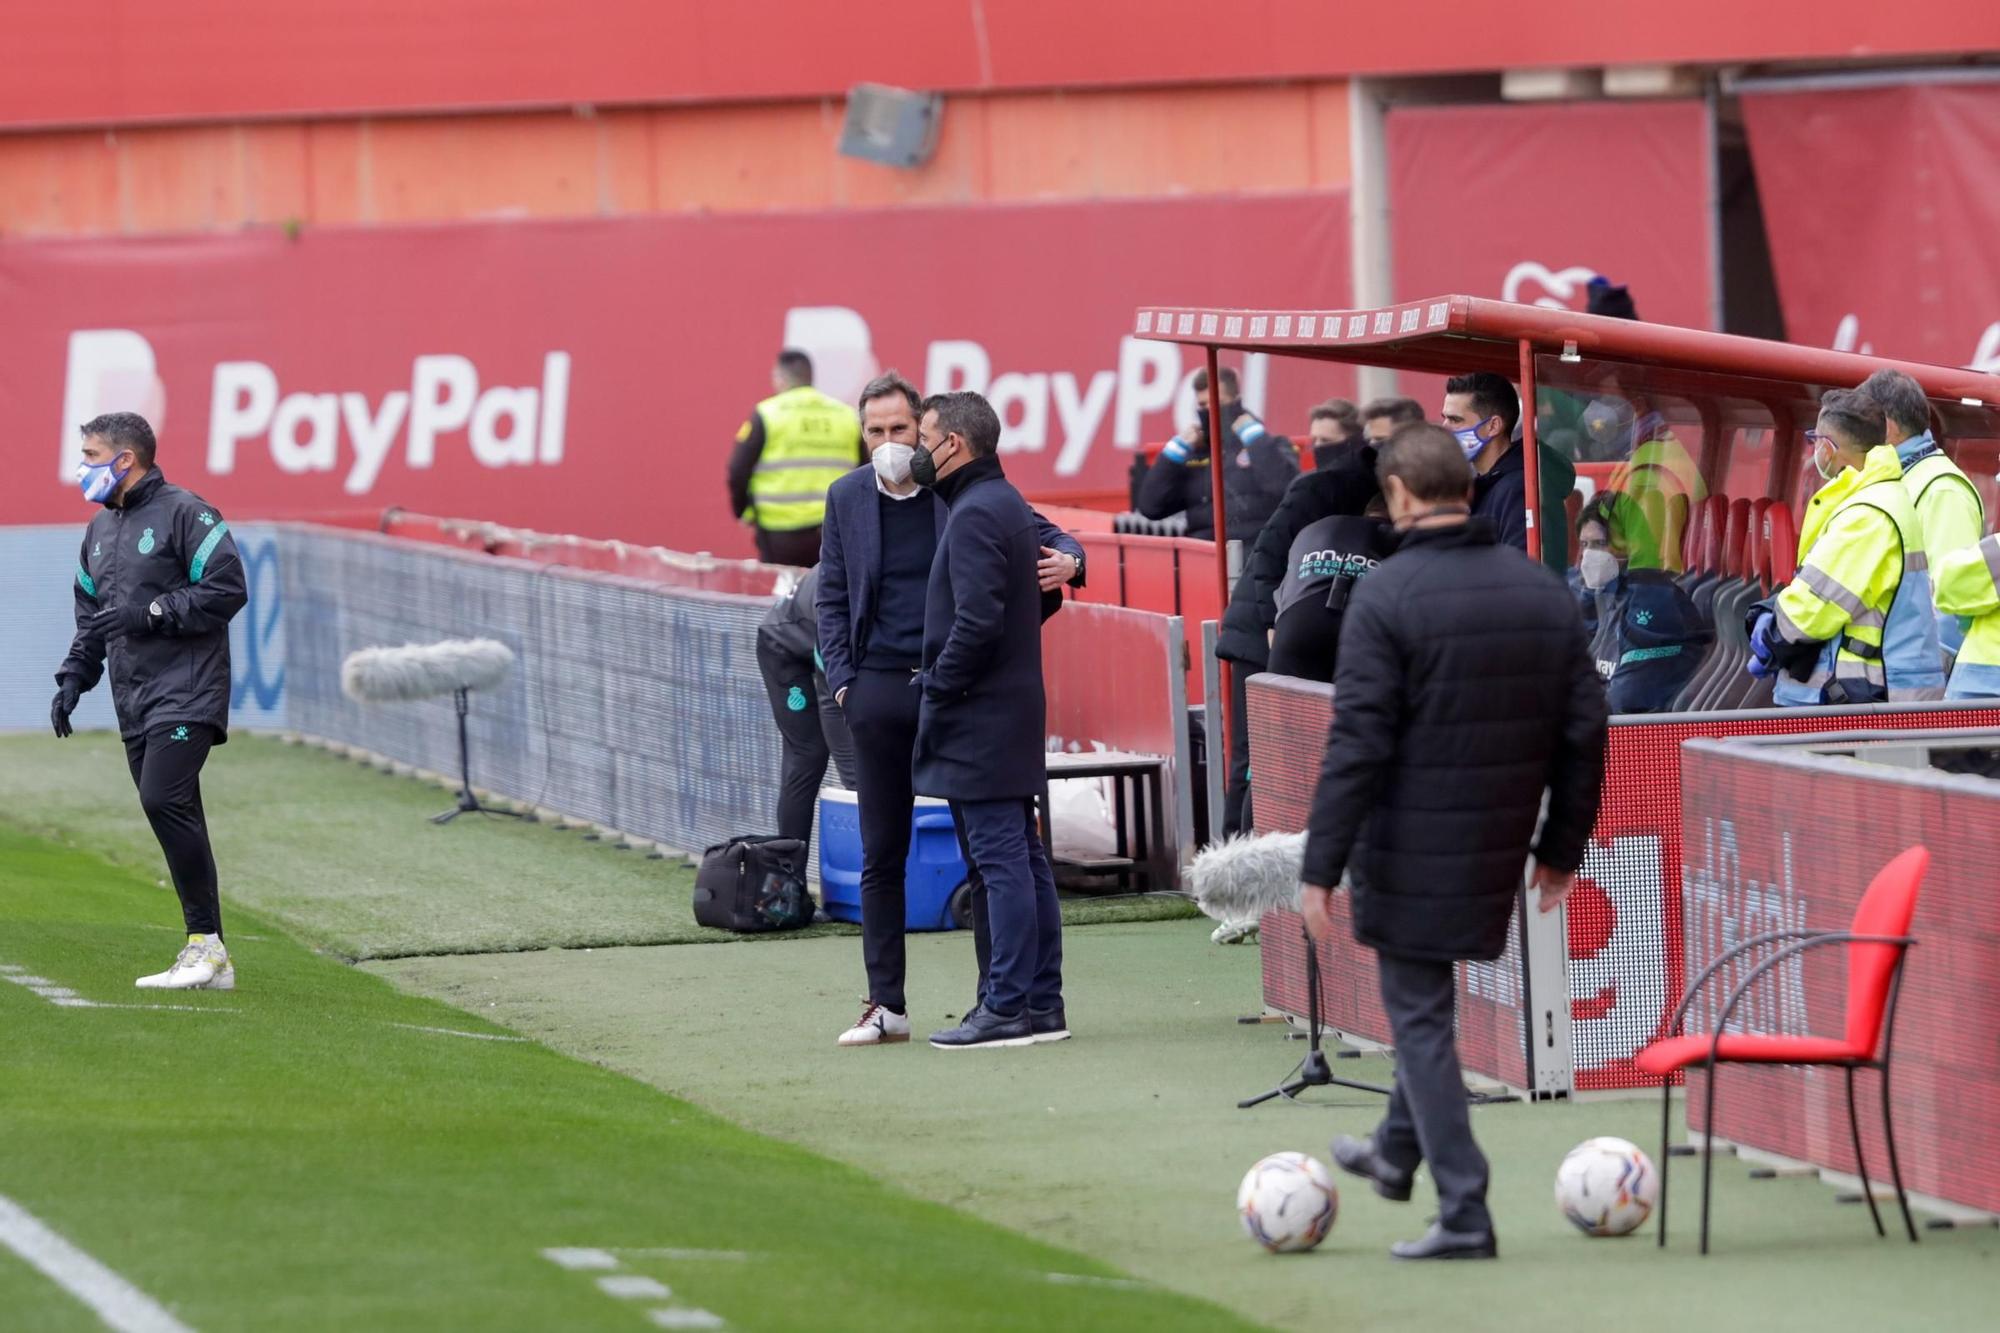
column 1126, row 1143
column 293, row 1157
column 345, row 857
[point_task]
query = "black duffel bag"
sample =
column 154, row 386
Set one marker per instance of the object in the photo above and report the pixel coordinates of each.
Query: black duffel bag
column 753, row 885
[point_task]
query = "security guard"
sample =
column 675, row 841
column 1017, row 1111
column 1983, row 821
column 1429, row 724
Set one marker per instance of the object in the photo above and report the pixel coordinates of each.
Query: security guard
column 1948, row 506
column 156, row 585
column 796, row 443
column 1856, row 625
column 1968, row 584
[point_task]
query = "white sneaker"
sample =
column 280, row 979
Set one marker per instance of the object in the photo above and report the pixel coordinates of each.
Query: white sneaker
column 203, row 964
column 1241, row 931
column 877, row 1027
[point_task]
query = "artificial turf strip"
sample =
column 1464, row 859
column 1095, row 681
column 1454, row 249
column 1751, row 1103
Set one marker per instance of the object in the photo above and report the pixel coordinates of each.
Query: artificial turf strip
column 345, row 856
column 296, row 1160
column 1125, row 1143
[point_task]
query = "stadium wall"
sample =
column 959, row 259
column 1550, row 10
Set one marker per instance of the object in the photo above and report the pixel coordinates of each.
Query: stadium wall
column 1777, row 840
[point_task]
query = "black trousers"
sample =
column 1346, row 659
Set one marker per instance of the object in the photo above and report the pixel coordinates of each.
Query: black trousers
column 800, row 547
column 1237, row 816
column 1429, row 1119
column 812, row 731
column 1307, row 642
column 166, row 768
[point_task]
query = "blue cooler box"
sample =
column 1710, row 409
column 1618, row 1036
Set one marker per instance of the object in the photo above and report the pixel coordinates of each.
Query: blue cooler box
column 936, row 895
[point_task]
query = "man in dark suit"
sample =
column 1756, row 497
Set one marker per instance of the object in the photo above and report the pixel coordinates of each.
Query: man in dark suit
column 1465, row 690
column 880, row 537
column 981, row 727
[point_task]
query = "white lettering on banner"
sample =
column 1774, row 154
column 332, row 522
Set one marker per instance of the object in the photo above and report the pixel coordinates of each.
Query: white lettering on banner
column 1027, row 395
column 1559, row 286
column 1985, row 353
column 1625, row 980
column 1148, row 373
column 1724, row 907
column 506, row 426
column 108, row 370
column 1080, row 417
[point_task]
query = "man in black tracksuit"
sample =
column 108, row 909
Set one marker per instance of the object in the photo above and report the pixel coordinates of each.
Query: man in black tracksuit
column 1465, row 690
column 157, row 582
column 809, row 721
column 1256, row 467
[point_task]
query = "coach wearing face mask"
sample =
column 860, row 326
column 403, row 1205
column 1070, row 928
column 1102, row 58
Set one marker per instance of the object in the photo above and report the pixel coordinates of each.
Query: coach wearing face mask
column 1653, row 637
column 876, row 550
column 1481, row 411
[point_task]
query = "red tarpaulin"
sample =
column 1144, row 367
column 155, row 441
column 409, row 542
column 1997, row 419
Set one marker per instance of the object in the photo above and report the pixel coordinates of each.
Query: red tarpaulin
column 1527, row 202
column 589, row 377
column 1882, row 205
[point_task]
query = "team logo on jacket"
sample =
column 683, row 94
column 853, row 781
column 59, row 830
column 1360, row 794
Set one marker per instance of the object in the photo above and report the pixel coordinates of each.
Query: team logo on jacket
column 96, row 549
column 146, row 542
column 796, row 700
column 206, row 519
column 180, row 733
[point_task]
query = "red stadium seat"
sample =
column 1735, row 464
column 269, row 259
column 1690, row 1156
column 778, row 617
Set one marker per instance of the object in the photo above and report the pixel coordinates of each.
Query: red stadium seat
column 1781, row 538
column 1877, row 942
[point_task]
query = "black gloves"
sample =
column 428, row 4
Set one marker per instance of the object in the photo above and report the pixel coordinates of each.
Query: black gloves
column 65, row 703
column 117, row 621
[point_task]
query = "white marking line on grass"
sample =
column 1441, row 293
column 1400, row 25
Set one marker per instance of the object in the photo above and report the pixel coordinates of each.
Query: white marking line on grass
column 63, row 997
column 686, row 1256
column 454, row 1032
column 675, row 1318
column 117, row 1302
column 574, row 1259
column 1085, row 1280
column 634, row 1287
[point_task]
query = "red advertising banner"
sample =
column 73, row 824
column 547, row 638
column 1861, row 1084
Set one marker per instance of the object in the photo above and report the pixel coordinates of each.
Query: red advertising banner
column 1526, row 203
column 589, row 377
column 1902, row 264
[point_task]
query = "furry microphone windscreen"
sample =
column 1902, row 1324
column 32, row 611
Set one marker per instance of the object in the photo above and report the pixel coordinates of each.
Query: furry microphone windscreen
column 1246, row 877
column 420, row 670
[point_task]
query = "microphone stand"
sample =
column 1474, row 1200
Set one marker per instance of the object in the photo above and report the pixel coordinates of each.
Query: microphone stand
column 1313, row 1071
column 468, row 804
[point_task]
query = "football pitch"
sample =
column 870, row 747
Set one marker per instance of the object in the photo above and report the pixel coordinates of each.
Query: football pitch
column 472, row 1129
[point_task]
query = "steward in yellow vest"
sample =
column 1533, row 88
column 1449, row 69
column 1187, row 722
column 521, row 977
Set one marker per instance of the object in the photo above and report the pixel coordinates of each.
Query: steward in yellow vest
column 1855, row 625
column 796, row 443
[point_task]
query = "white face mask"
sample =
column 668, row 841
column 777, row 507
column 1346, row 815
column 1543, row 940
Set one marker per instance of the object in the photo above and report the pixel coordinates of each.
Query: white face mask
column 892, row 463
column 1598, row 567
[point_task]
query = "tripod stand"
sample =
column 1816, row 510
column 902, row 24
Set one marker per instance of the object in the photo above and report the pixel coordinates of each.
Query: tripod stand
column 1313, row 1071
column 468, row 804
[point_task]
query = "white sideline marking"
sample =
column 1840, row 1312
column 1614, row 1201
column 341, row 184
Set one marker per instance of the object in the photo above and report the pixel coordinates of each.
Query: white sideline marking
column 677, row 1318
column 117, row 1302
column 634, row 1287
column 667, row 1252
column 574, row 1259
column 1085, row 1280
column 63, row 997
column 454, row 1032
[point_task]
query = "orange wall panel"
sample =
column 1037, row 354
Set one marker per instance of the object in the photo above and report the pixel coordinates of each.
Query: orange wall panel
column 722, row 158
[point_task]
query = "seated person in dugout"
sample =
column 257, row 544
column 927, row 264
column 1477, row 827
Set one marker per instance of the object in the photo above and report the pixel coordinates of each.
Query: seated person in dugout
column 1651, row 637
column 1327, row 559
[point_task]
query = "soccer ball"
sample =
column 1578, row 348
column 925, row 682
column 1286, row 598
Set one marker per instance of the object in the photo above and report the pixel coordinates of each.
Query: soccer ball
column 1287, row 1202
column 1607, row 1187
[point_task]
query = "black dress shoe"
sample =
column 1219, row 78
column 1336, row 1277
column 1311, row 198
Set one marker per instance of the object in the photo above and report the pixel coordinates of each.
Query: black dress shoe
column 1439, row 1243
column 983, row 1027
column 1049, row 1024
column 1357, row 1158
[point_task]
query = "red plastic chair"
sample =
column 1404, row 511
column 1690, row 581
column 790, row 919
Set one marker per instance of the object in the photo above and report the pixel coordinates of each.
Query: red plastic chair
column 1877, row 942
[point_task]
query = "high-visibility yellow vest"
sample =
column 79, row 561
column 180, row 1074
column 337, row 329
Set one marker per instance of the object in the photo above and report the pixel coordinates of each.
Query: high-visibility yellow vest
column 1949, row 511
column 1968, row 584
column 810, row 442
column 1863, row 589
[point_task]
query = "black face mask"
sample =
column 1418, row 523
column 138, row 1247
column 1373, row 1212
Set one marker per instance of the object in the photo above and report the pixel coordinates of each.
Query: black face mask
column 923, row 466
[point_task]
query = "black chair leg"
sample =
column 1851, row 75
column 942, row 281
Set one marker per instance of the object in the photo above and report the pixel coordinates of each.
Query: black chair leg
column 1895, row 1167
column 1666, row 1120
column 1861, row 1162
column 1707, row 1155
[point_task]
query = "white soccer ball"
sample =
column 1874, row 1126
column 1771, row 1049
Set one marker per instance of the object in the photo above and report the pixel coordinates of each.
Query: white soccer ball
column 1287, row 1202
column 1607, row 1187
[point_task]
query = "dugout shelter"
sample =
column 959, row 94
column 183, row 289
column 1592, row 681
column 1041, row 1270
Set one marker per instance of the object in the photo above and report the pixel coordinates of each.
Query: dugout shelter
column 1703, row 435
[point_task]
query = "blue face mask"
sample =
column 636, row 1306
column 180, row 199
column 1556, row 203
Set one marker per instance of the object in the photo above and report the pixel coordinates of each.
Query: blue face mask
column 97, row 481
column 1468, row 438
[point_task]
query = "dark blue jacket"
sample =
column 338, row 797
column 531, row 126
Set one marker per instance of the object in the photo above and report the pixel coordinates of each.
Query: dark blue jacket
column 981, row 728
column 850, row 569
